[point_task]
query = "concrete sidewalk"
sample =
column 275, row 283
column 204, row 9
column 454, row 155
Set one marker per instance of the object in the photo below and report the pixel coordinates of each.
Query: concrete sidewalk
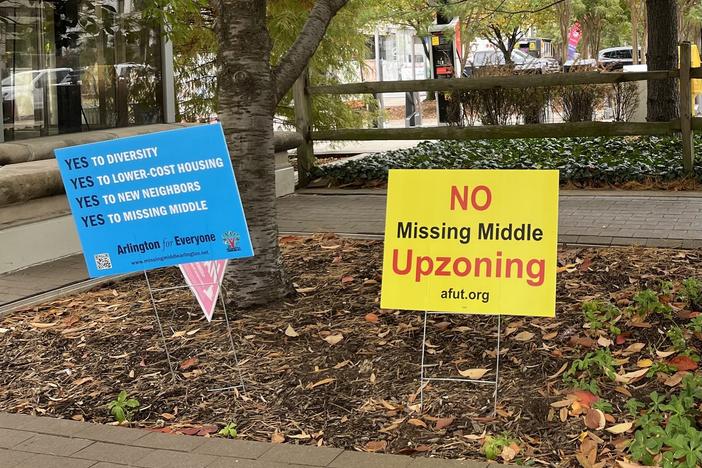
column 654, row 219
column 42, row 442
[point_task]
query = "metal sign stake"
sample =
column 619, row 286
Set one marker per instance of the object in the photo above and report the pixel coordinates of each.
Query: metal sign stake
column 226, row 319
column 424, row 381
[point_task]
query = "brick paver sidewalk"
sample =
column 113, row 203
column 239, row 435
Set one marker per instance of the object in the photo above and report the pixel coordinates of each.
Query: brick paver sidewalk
column 42, row 442
column 660, row 219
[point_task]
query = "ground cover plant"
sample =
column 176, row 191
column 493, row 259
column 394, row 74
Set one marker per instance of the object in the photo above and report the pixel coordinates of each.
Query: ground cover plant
column 582, row 162
column 612, row 380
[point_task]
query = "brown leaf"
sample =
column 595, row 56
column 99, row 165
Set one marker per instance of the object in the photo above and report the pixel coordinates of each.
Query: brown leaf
column 524, row 336
column 376, row 446
column 620, row 428
column 305, row 290
column 326, row 381
column 334, row 339
column 584, row 397
column 683, row 363
column 371, row 317
column 675, row 379
column 168, row 416
column 347, row 279
column 443, row 423
column 290, row 331
column 508, row 454
column 277, row 437
column 549, row 336
column 188, row 363
column 665, row 354
column 585, row 341
column 80, row 382
column 630, row 376
column 474, row 374
column 627, row 464
column 595, row 419
column 417, row 422
column 633, row 348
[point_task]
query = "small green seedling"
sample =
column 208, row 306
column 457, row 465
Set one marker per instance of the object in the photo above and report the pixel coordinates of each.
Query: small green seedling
column 123, row 407
column 228, row 431
column 493, row 446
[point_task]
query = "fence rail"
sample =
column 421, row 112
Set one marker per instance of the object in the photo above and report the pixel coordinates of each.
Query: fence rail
column 685, row 125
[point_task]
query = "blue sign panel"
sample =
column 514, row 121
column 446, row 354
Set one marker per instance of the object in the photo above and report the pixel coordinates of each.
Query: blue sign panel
column 155, row 200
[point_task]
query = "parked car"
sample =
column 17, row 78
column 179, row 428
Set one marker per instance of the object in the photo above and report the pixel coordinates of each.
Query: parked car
column 614, row 58
column 521, row 61
column 579, row 63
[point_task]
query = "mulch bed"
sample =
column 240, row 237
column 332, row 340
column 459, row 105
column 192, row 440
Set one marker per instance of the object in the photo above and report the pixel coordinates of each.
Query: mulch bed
column 329, row 367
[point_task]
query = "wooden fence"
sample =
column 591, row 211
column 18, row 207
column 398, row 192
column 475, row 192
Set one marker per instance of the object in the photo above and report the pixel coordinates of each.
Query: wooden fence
column 685, row 125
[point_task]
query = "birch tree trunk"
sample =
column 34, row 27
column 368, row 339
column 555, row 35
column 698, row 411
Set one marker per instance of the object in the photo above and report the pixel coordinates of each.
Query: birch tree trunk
column 249, row 89
column 662, row 104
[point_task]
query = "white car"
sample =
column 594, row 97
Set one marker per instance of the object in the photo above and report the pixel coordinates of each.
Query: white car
column 521, row 60
column 614, row 58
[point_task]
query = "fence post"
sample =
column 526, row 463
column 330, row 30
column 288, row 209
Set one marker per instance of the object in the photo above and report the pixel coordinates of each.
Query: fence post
column 303, row 122
column 686, row 107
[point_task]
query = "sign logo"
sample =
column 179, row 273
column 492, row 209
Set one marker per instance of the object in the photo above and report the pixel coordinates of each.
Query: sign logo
column 205, row 281
column 231, row 240
column 471, row 241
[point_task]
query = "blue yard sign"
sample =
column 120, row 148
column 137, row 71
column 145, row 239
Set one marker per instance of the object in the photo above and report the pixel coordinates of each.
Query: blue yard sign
column 155, row 200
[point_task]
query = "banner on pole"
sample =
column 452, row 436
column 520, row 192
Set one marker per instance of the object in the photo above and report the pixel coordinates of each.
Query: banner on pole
column 471, row 241
column 574, row 35
column 155, row 200
column 205, row 281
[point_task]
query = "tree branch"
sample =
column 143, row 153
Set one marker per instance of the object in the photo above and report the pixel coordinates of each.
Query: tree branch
column 296, row 58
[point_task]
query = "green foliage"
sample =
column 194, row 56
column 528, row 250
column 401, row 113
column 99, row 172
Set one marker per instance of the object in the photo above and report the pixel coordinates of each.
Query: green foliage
column 696, row 324
column 493, row 446
column 633, row 406
column 659, row 367
column 667, row 434
column 123, row 407
column 692, row 292
column 228, row 431
column 677, row 338
column 582, row 161
column 602, row 315
column 603, row 405
column 583, row 373
column 647, row 302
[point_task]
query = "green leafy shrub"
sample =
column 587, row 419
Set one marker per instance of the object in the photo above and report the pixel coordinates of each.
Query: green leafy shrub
column 692, row 292
column 647, row 302
column 596, row 162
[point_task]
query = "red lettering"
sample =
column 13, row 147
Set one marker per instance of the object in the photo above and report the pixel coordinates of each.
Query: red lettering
column 456, row 197
column 474, row 198
column 466, row 269
column 425, row 265
column 408, row 265
column 443, row 263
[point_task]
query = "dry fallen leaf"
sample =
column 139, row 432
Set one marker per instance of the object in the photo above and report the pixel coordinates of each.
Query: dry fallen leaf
column 633, row 348
column 189, row 363
column 620, row 428
column 326, row 381
column 334, row 339
column 595, row 419
column 630, row 376
column 675, row 379
column 665, row 354
column 524, row 336
column 549, row 336
column 290, row 331
column 508, row 453
column 443, row 423
column 473, row 373
column 371, row 317
column 644, row 363
column 604, row 342
column 683, row 363
column 417, row 422
column 376, row 445
column 627, row 464
column 277, row 437
column 167, row 416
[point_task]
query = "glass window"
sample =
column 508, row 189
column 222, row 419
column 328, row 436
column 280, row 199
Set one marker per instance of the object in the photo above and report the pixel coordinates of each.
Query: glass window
column 77, row 65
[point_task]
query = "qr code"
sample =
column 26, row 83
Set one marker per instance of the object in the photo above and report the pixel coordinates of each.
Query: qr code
column 103, row 261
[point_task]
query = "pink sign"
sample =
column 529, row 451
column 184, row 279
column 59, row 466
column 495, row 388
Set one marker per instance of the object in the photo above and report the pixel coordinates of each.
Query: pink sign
column 205, row 279
column 574, row 36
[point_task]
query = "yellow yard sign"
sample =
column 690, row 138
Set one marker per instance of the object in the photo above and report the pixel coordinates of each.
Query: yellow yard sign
column 471, row 241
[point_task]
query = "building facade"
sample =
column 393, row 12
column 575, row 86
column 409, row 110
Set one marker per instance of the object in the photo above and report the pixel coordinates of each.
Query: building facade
column 69, row 66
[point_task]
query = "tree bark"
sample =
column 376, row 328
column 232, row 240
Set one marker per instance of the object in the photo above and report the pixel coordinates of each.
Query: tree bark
column 246, row 103
column 249, row 90
column 662, row 54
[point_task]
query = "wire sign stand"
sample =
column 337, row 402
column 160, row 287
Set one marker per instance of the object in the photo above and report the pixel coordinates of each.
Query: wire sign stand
column 424, row 381
column 240, row 386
